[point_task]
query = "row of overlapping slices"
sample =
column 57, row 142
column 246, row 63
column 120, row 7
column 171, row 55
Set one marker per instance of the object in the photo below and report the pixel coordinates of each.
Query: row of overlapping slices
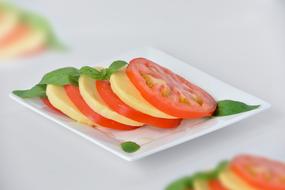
column 119, row 104
column 243, row 172
column 23, row 33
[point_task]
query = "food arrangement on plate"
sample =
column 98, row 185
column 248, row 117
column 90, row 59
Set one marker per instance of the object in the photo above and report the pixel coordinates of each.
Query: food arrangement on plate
column 24, row 33
column 243, row 172
column 127, row 96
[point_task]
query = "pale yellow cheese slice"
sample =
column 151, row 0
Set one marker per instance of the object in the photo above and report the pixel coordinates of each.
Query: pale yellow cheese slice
column 60, row 100
column 31, row 41
column 127, row 92
column 89, row 93
column 8, row 22
column 233, row 182
column 200, row 185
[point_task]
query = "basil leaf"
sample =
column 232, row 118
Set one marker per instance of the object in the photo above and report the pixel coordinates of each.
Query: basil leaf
column 62, row 76
column 230, row 107
column 130, row 146
column 187, row 182
column 117, row 65
column 114, row 67
column 38, row 90
column 42, row 24
column 181, row 184
column 103, row 74
column 92, row 72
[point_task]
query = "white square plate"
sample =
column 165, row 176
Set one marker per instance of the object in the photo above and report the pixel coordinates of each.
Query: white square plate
column 152, row 139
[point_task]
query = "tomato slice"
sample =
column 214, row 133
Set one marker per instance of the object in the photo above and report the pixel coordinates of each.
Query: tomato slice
column 259, row 172
column 48, row 104
column 18, row 33
column 116, row 104
column 74, row 95
column 168, row 91
column 216, row 185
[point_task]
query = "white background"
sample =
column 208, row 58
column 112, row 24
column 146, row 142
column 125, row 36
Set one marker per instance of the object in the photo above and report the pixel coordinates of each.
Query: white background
column 241, row 42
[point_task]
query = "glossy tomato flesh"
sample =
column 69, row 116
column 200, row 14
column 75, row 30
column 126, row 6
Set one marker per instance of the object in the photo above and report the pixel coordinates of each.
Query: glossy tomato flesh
column 216, row 185
column 260, row 173
column 168, row 91
column 116, row 104
column 74, row 95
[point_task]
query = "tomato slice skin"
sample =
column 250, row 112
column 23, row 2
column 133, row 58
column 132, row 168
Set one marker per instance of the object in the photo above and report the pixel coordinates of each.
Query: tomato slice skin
column 168, row 91
column 74, row 95
column 48, row 104
column 115, row 103
column 216, row 185
column 259, row 172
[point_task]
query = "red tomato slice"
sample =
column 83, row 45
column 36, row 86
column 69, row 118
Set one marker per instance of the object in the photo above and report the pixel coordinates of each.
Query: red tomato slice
column 216, row 185
column 116, row 104
column 48, row 104
column 18, row 33
column 259, row 172
column 168, row 91
column 74, row 95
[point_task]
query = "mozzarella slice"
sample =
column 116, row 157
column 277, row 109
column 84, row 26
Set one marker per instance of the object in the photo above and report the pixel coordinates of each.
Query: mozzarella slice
column 200, row 184
column 8, row 22
column 60, row 100
column 29, row 41
column 88, row 91
column 127, row 92
column 233, row 182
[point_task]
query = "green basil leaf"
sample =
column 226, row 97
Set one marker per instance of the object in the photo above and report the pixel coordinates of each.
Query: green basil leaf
column 117, row 65
column 41, row 23
column 38, row 90
column 130, row 146
column 184, row 183
column 92, row 73
column 230, row 107
column 114, row 67
column 187, row 182
column 62, row 76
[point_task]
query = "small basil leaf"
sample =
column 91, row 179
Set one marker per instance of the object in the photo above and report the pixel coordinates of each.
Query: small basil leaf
column 130, row 146
column 62, row 76
column 92, row 72
column 230, row 107
column 38, row 90
column 116, row 65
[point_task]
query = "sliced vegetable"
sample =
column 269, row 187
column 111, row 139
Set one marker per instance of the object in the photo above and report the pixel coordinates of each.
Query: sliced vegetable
column 186, row 183
column 168, row 91
column 41, row 24
column 49, row 105
column 216, row 185
column 74, row 95
column 60, row 100
column 114, row 102
column 258, row 172
column 127, row 92
column 90, row 95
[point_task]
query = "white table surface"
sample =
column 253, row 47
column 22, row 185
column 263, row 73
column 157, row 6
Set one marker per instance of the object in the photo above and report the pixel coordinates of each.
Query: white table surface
column 240, row 42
